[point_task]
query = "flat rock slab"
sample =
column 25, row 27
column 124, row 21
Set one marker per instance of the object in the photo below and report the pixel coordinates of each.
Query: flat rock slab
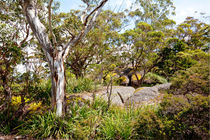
column 146, row 94
column 117, row 91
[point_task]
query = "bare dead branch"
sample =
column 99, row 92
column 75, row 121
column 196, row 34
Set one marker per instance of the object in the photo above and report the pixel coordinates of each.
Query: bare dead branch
column 121, row 98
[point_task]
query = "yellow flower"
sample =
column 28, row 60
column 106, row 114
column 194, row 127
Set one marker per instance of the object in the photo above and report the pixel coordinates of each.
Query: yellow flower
column 134, row 77
column 34, row 106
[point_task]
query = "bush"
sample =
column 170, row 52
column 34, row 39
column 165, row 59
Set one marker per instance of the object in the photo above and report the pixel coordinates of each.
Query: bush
column 149, row 125
column 154, row 78
column 178, row 117
column 190, row 115
column 193, row 80
column 79, row 85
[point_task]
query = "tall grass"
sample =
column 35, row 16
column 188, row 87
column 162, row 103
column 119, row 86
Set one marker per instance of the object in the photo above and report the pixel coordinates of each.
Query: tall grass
column 79, row 85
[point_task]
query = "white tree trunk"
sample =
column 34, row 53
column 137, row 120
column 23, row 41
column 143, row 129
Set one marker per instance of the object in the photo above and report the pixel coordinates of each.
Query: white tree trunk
column 58, row 82
column 56, row 55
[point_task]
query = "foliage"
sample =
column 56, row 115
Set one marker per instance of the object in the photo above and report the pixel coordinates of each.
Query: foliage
column 194, row 33
column 118, row 124
column 193, row 80
column 79, row 85
column 155, row 79
column 153, row 51
column 170, row 60
column 48, row 125
column 79, row 123
column 99, row 42
column 152, row 11
column 189, row 115
column 184, row 117
column 178, row 117
column 141, row 43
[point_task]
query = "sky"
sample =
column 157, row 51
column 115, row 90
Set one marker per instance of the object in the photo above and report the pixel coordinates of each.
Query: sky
column 184, row 8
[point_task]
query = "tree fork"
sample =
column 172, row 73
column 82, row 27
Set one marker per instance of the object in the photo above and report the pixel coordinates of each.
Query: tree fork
column 57, row 54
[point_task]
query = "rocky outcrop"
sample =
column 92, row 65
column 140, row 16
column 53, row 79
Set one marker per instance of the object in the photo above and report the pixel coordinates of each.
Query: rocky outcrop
column 123, row 95
column 119, row 94
column 146, row 94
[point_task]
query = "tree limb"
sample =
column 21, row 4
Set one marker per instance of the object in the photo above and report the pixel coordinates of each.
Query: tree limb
column 26, row 37
column 37, row 27
column 87, row 26
column 50, row 23
column 97, row 8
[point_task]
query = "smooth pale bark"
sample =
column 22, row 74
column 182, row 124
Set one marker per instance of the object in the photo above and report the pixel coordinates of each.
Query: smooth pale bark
column 56, row 54
column 58, row 82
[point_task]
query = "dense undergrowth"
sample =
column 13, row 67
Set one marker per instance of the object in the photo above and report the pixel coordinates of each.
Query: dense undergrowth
column 182, row 114
column 177, row 117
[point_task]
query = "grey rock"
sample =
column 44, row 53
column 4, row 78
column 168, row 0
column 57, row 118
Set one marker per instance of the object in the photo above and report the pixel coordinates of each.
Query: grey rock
column 145, row 94
column 124, row 92
column 163, row 86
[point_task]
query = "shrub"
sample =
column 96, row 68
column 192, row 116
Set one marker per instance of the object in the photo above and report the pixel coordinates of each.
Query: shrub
column 190, row 115
column 155, row 79
column 178, row 117
column 193, row 80
column 79, row 85
column 148, row 125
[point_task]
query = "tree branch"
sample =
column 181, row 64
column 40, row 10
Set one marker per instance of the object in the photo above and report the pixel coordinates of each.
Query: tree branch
column 97, row 8
column 37, row 27
column 87, row 26
column 26, row 37
column 50, row 23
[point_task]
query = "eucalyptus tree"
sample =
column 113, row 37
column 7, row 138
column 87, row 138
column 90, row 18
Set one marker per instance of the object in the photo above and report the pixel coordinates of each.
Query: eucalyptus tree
column 190, row 38
column 57, row 52
column 141, row 46
column 97, row 45
column 151, row 11
column 194, row 33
